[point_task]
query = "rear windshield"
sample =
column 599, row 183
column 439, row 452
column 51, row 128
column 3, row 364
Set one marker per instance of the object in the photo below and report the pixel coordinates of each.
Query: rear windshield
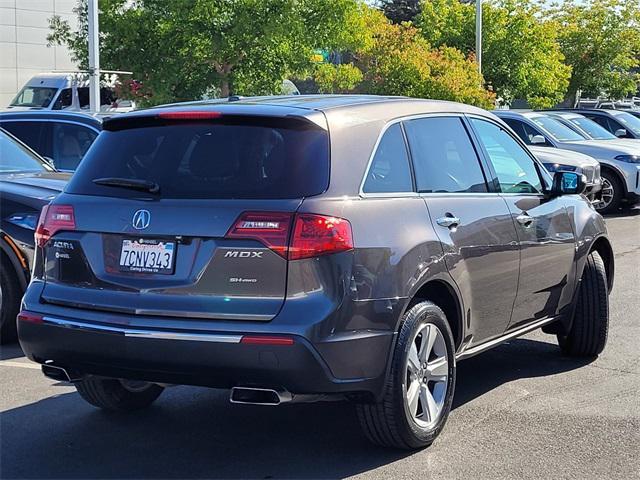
column 205, row 160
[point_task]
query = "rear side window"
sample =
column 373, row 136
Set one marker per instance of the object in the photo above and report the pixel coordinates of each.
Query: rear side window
column 262, row 159
column 70, row 143
column 444, row 158
column 389, row 171
column 29, row 132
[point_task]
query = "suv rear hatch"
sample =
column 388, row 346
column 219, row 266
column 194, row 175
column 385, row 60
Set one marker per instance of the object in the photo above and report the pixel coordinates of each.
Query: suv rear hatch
column 184, row 214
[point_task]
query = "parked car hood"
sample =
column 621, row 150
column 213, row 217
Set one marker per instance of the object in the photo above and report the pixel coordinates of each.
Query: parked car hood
column 600, row 149
column 563, row 157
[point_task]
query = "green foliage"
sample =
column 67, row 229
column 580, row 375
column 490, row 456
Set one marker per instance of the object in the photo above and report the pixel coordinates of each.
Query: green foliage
column 337, row 78
column 601, row 41
column 521, row 57
column 400, row 62
column 183, row 49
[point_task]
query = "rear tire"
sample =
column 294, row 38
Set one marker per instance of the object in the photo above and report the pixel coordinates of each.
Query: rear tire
column 589, row 329
column 396, row 421
column 117, row 395
column 613, row 191
column 10, row 294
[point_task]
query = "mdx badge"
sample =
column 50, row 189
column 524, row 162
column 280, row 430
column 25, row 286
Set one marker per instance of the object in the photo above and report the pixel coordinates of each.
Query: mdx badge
column 141, row 219
column 242, row 254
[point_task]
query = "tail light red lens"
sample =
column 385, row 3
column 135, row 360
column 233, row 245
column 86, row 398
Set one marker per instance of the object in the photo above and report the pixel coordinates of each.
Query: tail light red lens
column 315, row 235
column 269, row 228
column 30, row 317
column 54, row 218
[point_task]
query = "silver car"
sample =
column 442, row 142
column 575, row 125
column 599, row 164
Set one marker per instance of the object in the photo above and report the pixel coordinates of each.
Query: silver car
column 558, row 159
column 620, row 164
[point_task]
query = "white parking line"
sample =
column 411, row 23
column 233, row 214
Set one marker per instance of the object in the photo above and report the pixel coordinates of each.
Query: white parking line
column 9, row 363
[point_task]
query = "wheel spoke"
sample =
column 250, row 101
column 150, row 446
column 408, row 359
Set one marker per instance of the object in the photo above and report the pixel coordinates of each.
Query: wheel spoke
column 438, row 370
column 414, row 361
column 429, row 336
column 413, row 396
column 429, row 406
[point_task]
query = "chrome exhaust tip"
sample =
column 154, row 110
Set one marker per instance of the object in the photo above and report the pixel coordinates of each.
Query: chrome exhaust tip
column 58, row 373
column 259, row 396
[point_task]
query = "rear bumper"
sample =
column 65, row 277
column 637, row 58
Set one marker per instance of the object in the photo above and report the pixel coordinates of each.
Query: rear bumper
column 212, row 359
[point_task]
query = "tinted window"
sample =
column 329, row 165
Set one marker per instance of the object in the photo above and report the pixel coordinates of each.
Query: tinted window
column 514, row 167
column 210, row 160
column 628, row 121
column 444, row 158
column 389, row 171
column 64, row 100
column 523, row 130
column 29, row 132
column 15, row 158
column 69, row 144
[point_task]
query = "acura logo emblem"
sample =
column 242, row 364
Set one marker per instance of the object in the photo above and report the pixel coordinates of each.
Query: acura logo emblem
column 141, row 219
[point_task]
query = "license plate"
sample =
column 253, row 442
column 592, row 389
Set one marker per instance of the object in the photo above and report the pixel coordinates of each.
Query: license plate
column 147, row 256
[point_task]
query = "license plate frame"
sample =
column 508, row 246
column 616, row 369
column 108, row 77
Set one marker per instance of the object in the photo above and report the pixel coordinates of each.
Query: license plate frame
column 147, row 255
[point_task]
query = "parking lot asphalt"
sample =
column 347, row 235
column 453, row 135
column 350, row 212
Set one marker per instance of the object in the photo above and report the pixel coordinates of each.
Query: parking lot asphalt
column 520, row 411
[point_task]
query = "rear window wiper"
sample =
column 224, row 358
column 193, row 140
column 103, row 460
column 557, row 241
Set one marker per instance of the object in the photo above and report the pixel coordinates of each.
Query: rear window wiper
column 133, row 183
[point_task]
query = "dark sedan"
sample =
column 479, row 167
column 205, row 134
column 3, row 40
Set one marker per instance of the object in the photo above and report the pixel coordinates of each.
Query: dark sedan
column 27, row 183
column 61, row 137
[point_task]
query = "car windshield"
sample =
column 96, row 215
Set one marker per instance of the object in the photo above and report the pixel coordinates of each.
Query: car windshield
column 34, row 97
column 594, row 130
column 15, row 158
column 557, row 130
column 629, row 121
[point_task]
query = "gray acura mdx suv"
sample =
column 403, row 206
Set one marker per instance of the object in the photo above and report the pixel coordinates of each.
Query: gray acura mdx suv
column 310, row 248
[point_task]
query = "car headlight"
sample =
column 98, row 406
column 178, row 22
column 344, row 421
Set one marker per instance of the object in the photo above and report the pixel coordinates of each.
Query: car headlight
column 557, row 167
column 24, row 220
column 628, row 158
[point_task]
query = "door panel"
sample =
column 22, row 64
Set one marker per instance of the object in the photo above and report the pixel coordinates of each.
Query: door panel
column 483, row 257
column 544, row 230
column 547, row 255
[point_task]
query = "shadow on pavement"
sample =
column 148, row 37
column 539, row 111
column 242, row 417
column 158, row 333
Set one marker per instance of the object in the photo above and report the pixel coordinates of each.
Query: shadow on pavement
column 10, row 351
column 195, row 432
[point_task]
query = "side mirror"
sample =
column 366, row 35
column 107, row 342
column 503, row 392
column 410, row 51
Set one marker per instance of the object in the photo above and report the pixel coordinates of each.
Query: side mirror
column 539, row 140
column 620, row 133
column 568, row 183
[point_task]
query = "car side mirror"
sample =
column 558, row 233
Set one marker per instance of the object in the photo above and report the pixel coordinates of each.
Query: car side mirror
column 568, row 183
column 620, row 133
column 538, row 140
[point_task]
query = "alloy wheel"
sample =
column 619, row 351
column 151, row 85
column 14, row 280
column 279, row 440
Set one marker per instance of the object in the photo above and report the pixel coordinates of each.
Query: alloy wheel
column 426, row 377
column 606, row 195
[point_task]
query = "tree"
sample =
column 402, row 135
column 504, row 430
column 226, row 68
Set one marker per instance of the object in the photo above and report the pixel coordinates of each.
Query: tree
column 601, row 41
column 399, row 11
column 399, row 61
column 521, row 55
column 341, row 78
column 183, row 49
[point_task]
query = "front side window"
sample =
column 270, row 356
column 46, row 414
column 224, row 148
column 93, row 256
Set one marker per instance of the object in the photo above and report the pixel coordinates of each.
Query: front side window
column 628, row 121
column 443, row 155
column 524, row 131
column 389, row 171
column 31, row 133
column 514, row 167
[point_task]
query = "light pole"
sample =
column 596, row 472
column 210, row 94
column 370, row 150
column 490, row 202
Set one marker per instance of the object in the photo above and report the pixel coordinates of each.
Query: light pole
column 94, row 57
column 479, row 34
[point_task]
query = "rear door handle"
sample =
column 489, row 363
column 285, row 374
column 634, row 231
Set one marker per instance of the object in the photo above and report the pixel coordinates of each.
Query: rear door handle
column 448, row 221
column 524, row 219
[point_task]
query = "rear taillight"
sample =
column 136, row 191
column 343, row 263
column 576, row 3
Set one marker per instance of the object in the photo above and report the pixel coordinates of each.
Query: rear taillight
column 312, row 236
column 315, row 235
column 30, row 317
column 53, row 219
column 269, row 228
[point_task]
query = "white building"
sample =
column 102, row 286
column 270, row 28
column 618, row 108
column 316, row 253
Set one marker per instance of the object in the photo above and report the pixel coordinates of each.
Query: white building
column 24, row 26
